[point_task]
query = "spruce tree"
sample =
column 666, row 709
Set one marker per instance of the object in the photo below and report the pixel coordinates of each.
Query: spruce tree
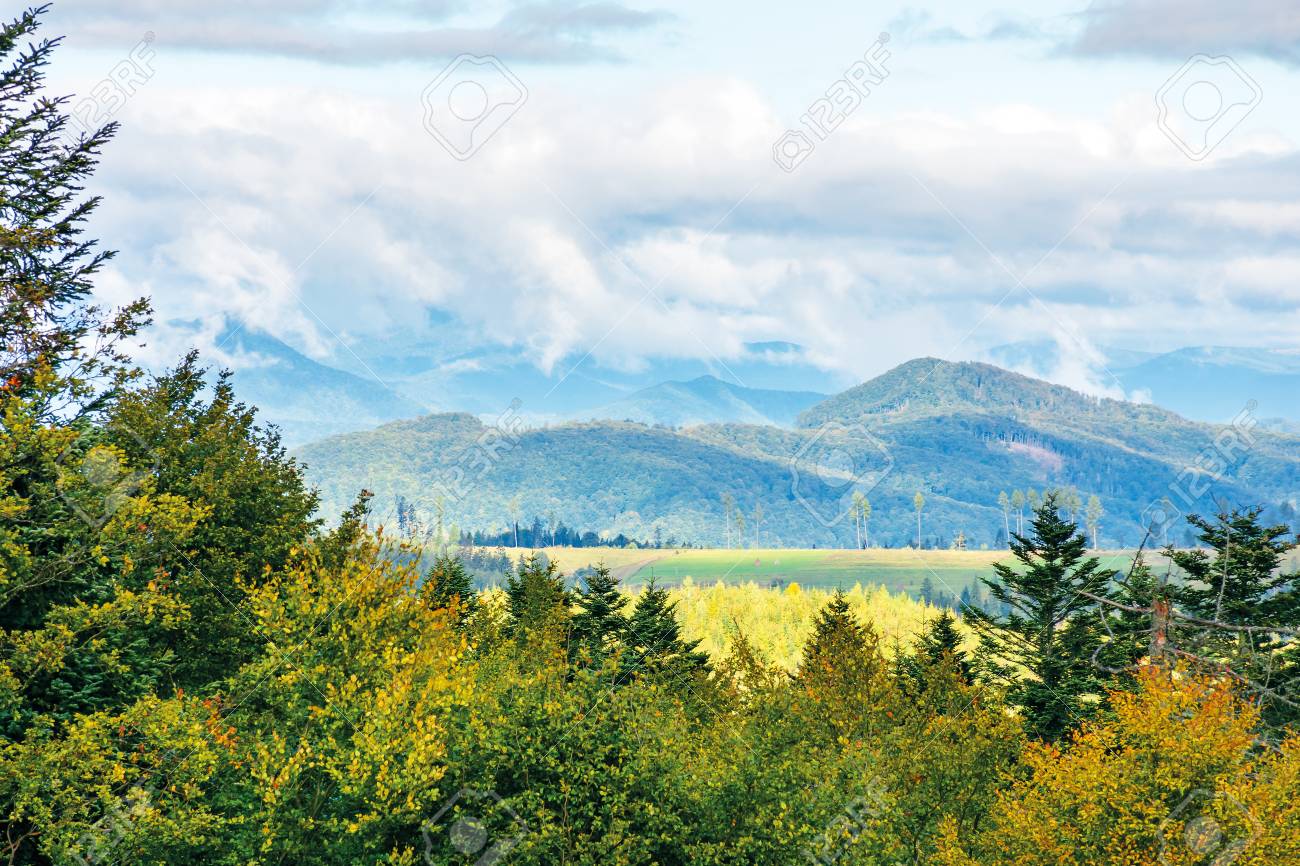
column 599, row 626
column 47, row 325
column 941, row 643
column 1240, row 583
column 837, row 637
column 448, row 585
column 654, row 639
column 843, row 672
column 1042, row 648
column 536, row 598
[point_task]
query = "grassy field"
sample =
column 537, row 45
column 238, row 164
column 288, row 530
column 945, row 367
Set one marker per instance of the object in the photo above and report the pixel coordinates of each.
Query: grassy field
column 896, row 569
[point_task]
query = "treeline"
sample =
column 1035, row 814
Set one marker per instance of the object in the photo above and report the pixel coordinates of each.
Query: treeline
column 538, row 534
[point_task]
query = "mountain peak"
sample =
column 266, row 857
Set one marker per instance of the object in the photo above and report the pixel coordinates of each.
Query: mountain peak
column 932, row 385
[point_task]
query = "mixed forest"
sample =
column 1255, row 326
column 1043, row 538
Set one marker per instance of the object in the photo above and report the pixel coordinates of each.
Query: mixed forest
column 195, row 668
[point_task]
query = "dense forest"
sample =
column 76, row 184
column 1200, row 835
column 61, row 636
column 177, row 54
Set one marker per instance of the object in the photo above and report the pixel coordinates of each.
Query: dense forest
column 959, row 434
column 195, row 668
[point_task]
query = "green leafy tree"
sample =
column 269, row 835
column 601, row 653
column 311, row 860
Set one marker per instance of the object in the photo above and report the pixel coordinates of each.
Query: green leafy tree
column 1092, row 519
column 1018, row 503
column 864, row 509
column 918, row 502
column 1043, row 648
column 1004, row 502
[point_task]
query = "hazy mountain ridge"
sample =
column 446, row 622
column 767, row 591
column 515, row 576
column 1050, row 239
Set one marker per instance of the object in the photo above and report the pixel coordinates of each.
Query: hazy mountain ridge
column 960, row 433
column 708, row 400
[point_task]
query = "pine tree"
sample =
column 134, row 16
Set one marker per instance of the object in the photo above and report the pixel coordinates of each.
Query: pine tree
column 1129, row 624
column 837, row 637
column 655, row 644
column 937, row 668
column 941, row 643
column 1043, row 647
column 536, row 597
column 599, row 626
column 1243, row 586
column 843, row 672
column 48, row 328
column 448, row 585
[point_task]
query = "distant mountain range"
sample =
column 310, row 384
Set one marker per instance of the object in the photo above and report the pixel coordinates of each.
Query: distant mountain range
column 370, row 382
column 957, row 432
column 304, row 398
column 707, row 400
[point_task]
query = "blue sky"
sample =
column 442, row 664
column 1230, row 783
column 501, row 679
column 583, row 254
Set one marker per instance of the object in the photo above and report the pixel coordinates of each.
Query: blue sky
column 1009, row 177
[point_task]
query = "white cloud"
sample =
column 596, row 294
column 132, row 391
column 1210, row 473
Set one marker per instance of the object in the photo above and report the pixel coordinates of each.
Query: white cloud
column 548, row 238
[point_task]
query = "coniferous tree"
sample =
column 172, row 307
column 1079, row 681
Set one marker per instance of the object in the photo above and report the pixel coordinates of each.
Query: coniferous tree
column 655, row 643
column 599, row 626
column 1129, row 624
column 843, row 672
column 942, row 642
column 536, row 598
column 837, row 638
column 47, row 325
column 448, row 585
column 1043, row 647
column 1243, row 586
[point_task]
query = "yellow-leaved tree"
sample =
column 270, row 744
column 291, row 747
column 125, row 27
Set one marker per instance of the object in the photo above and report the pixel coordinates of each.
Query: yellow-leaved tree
column 1176, row 778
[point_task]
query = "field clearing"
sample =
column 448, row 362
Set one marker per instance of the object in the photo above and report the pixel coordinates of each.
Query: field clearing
column 898, row 570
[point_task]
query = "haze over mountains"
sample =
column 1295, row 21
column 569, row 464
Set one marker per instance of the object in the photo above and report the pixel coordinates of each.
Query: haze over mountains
column 370, row 383
column 628, row 451
column 957, row 432
column 1205, row 383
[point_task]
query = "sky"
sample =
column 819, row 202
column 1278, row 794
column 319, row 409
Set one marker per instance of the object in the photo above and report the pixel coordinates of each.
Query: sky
column 608, row 183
